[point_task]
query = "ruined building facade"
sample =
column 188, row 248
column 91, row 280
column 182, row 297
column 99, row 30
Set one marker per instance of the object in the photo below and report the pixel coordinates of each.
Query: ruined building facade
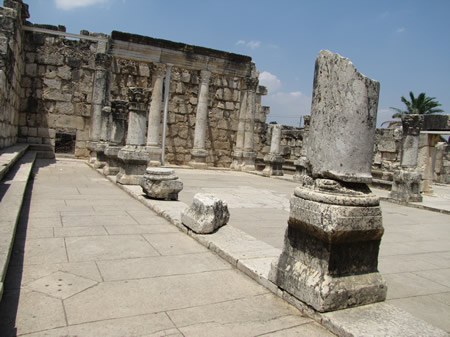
column 47, row 83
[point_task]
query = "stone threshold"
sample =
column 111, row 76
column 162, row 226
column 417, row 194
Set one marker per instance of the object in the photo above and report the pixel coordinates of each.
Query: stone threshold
column 254, row 258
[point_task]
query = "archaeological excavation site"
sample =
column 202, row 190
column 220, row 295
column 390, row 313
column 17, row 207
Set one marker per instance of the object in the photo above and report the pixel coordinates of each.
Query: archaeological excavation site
column 144, row 193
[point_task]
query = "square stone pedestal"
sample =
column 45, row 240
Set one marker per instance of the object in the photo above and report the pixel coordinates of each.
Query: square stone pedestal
column 133, row 163
column 237, row 161
column 274, row 165
column 330, row 255
column 248, row 161
column 406, row 186
column 112, row 166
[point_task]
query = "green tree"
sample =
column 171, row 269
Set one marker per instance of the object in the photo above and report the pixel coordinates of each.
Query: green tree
column 421, row 105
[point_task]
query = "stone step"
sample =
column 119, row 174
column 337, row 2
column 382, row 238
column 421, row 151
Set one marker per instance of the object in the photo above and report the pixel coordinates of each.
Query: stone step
column 43, row 151
column 12, row 192
column 9, row 155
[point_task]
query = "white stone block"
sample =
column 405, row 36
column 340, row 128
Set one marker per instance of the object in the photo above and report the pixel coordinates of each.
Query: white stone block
column 206, row 214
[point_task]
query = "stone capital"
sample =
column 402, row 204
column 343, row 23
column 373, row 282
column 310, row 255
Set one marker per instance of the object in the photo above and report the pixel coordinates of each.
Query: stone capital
column 102, row 61
column 412, row 124
column 205, row 76
column 159, row 70
column 138, row 98
column 119, row 109
column 251, row 83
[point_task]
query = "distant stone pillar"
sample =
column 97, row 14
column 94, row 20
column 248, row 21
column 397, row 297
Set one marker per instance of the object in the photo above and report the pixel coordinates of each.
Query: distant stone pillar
column 274, row 162
column 406, row 181
column 248, row 155
column 302, row 168
column 330, row 254
column 134, row 155
column 239, row 147
column 199, row 153
column 118, row 129
column 100, row 95
column 154, row 117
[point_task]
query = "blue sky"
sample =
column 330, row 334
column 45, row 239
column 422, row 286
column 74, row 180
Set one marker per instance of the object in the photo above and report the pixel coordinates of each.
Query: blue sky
column 404, row 44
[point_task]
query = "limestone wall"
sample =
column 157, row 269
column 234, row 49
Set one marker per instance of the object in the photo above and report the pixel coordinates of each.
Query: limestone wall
column 442, row 163
column 12, row 15
column 387, row 154
column 57, row 86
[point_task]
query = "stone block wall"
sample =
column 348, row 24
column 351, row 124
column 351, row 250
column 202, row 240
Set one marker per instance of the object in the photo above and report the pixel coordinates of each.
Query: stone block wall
column 57, row 89
column 12, row 16
column 442, row 163
column 387, row 153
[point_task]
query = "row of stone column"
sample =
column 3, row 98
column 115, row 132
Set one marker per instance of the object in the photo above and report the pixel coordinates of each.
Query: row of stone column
column 122, row 145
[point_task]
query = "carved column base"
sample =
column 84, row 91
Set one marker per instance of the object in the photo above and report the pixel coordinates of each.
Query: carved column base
column 161, row 183
column 112, row 166
column 248, row 161
column 198, row 158
column 133, row 163
column 406, row 185
column 237, row 161
column 330, row 254
column 101, row 159
column 274, row 165
column 154, row 154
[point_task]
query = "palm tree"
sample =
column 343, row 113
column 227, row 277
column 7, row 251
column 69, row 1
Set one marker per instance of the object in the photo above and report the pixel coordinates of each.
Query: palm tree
column 421, row 105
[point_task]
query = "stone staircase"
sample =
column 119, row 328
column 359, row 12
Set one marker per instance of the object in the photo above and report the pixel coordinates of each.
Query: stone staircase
column 16, row 164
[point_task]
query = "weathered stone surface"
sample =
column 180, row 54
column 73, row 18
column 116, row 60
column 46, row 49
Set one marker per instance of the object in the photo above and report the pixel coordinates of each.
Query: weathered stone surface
column 161, row 183
column 343, row 120
column 206, row 214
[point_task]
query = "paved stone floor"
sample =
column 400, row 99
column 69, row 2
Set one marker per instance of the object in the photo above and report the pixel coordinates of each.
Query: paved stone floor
column 89, row 260
column 415, row 250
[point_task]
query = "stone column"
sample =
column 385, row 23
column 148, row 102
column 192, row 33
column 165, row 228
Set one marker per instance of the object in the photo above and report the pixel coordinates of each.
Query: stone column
column 274, row 162
column 133, row 155
column 199, row 153
column 154, row 117
column 302, row 168
column 248, row 155
column 100, row 95
column 118, row 129
column 330, row 255
column 239, row 147
column 406, row 181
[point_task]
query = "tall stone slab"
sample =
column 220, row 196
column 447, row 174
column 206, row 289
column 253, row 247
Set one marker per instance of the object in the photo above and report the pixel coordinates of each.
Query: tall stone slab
column 330, row 254
column 343, row 119
column 154, row 117
column 249, row 155
column 100, row 96
column 118, row 128
column 134, row 155
column 406, row 181
column 274, row 162
column 199, row 153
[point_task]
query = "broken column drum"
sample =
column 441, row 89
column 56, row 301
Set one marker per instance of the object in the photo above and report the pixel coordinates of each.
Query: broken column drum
column 199, row 153
column 161, row 183
column 154, row 118
column 330, row 253
column 118, row 131
column 98, row 129
column 133, row 155
column 406, row 181
column 274, row 162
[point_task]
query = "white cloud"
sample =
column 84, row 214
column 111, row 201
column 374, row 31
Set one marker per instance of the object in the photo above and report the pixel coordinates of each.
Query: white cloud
column 70, row 4
column 287, row 107
column 401, row 30
column 270, row 81
column 253, row 44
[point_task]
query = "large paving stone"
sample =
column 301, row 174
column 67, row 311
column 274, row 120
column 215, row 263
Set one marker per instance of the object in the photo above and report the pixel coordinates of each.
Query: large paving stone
column 136, row 297
column 141, row 229
column 174, row 244
column 95, row 248
column 98, row 220
column 160, row 266
column 39, row 251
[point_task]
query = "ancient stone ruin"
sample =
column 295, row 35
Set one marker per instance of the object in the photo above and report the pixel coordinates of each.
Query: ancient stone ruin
column 330, row 254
